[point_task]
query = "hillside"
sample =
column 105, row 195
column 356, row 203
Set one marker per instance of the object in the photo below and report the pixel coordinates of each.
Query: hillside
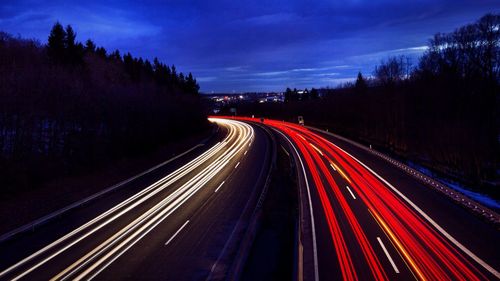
column 69, row 107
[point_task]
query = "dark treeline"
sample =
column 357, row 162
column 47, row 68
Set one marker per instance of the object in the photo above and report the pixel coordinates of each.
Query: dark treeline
column 301, row 95
column 67, row 106
column 441, row 113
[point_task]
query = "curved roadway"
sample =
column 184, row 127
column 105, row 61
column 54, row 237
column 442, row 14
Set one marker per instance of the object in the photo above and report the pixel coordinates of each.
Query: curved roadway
column 358, row 225
column 184, row 225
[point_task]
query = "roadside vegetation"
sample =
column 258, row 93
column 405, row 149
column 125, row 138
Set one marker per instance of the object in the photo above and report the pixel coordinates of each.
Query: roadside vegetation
column 68, row 107
column 441, row 112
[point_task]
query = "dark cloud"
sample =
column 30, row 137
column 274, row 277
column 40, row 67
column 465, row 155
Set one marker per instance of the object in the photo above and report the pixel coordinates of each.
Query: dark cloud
column 253, row 45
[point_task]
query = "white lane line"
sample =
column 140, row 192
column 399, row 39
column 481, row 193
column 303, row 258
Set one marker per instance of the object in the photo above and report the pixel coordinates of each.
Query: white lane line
column 237, row 165
column 245, row 152
column 388, row 255
column 311, row 214
column 212, row 269
column 130, row 243
column 428, row 218
column 177, row 232
column 284, row 150
column 219, row 186
column 333, row 167
column 199, row 181
column 170, row 178
column 92, row 197
column 350, row 191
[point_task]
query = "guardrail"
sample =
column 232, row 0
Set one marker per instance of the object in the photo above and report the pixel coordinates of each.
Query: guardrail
column 459, row 198
column 32, row 225
column 238, row 264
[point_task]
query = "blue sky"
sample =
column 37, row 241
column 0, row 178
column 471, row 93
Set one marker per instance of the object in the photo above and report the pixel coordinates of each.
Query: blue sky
column 253, row 45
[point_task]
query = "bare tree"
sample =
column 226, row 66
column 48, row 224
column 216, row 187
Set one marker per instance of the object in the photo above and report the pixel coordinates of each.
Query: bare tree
column 392, row 70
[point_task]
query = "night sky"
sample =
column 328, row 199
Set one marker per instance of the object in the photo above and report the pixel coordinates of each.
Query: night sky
column 253, row 45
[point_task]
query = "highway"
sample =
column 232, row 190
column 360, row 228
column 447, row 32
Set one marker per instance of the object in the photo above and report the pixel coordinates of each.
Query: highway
column 358, row 225
column 360, row 218
column 185, row 225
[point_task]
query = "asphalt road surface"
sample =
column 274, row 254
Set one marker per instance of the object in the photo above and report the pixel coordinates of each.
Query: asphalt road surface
column 182, row 225
column 363, row 219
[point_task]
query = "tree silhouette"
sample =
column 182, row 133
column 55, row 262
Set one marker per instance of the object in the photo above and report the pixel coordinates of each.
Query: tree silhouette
column 148, row 68
column 90, row 46
column 391, row 71
column 73, row 52
column 314, row 93
column 360, row 83
column 288, row 95
column 69, row 39
column 115, row 55
column 57, row 42
column 191, row 85
column 443, row 114
column 66, row 107
column 101, row 52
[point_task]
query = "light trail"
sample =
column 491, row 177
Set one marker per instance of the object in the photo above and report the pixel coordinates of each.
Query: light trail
column 129, row 203
column 336, row 168
column 368, row 252
column 317, row 149
column 215, row 159
column 345, row 260
column 311, row 211
column 135, row 230
column 429, row 251
column 417, row 237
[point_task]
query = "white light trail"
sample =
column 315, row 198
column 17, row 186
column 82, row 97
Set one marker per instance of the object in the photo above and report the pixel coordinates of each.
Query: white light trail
column 92, row 263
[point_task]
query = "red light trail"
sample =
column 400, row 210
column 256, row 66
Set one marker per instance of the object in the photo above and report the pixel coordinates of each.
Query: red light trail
column 428, row 254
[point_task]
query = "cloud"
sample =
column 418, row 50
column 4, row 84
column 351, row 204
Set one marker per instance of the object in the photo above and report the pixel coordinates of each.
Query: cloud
column 234, row 68
column 249, row 45
column 327, row 74
column 413, row 53
column 26, row 18
column 206, row 79
column 112, row 24
column 104, row 24
column 271, row 73
column 337, row 81
column 271, row 19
